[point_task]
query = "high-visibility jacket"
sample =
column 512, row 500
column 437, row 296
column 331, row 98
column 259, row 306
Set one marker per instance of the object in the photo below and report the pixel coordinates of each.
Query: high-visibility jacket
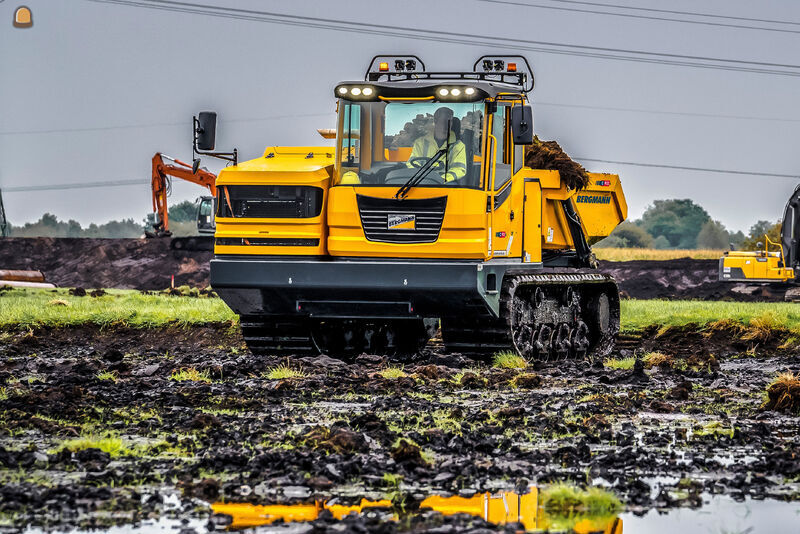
column 426, row 147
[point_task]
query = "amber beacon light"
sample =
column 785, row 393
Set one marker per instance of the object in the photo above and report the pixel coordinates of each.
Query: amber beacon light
column 23, row 17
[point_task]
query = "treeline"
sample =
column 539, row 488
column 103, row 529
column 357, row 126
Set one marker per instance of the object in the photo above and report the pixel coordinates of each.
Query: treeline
column 682, row 224
column 667, row 224
column 182, row 221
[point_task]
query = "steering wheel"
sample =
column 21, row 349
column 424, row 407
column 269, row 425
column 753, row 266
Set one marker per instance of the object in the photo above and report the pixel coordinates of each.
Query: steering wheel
column 418, row 161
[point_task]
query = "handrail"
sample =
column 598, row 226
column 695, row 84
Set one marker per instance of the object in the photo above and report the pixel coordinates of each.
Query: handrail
column 769, row 242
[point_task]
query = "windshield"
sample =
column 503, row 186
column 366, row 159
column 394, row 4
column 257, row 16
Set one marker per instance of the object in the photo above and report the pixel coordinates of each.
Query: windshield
column 389, row 143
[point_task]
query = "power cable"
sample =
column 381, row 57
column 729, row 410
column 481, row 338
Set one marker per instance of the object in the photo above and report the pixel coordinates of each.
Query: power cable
column 159, row 125
column 78, row 185
column 706, row 62
column 685, row 168
column 661, row 112
column 643, row 17
column 674, row 12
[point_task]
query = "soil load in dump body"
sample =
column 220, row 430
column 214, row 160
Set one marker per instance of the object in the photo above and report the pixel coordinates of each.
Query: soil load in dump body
column 149, row 264
column 550, row 156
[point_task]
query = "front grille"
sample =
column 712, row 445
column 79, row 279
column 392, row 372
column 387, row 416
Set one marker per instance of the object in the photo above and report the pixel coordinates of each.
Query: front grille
column 412, row 221
column 266, row 242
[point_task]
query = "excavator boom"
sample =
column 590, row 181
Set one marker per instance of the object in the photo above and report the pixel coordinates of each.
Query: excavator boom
column 161, row 184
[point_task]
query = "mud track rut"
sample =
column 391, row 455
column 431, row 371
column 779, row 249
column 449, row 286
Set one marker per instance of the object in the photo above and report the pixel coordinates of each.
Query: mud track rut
column 332, row 430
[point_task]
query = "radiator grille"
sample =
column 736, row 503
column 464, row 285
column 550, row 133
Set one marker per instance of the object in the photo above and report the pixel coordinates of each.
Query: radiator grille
column 389, row 220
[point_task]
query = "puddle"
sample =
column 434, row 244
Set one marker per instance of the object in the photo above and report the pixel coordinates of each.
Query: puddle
column 497, row 508
column 718, row 515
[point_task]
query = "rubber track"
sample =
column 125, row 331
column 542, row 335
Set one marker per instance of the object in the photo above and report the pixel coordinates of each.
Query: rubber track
column 487, row 335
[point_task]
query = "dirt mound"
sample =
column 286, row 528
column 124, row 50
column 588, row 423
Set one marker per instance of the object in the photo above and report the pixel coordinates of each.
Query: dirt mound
column 549, row 155
column 149, row 264
column 678, row 279
column 118, row 263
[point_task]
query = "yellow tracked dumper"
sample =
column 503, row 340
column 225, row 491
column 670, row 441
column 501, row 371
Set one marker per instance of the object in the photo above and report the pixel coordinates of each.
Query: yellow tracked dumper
column 423, row 216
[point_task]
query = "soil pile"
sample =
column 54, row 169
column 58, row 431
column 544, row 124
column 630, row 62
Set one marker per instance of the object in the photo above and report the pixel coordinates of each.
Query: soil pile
column 116, row 263
column 550, row 156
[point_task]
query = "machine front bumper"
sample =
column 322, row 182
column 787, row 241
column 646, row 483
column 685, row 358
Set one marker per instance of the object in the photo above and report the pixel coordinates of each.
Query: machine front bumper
column 359, row 288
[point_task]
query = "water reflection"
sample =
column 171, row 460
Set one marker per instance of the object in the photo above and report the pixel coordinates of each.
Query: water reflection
column 498, row 508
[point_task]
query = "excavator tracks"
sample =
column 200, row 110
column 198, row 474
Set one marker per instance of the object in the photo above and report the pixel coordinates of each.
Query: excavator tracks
column 546, row 316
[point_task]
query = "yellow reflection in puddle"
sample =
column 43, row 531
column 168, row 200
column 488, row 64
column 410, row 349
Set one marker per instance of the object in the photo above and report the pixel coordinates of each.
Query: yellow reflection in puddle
column 501, row 508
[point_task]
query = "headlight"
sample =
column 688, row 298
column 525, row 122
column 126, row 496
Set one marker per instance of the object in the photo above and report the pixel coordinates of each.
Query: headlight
column 443, row 92
column 367, row 91
column 455, row 91
column 342, row 90
column 355, row 91
column 469, row 91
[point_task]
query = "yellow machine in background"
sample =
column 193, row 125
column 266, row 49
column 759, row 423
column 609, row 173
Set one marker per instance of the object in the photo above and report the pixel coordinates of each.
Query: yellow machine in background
column 423, row 213
column 776, row 262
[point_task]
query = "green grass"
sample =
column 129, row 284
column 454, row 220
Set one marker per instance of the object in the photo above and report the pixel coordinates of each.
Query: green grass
column 509, row 360
column 21, row 308
column 34, row 307
column 108, row 375
column 392, row 373
column 190, row 374
column 282, row 372
column 113, row 446
column 566, row 499
column 639, row 314
column 620, row 363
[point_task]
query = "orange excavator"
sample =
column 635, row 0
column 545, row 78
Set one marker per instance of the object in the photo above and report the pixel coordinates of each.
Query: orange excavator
column 162, row 185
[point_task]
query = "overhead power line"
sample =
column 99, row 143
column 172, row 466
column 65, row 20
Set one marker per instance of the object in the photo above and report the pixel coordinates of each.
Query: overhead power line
column 638, row 16
column 685, row 168
column 186, row 124
column 78, row 185
column 674, row 12
column 403, row 32
column 117, row 183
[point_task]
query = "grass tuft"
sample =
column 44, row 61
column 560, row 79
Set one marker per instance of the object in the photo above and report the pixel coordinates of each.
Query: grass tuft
column 658, row 359
column 282, row 372
column 108, row 375
column 509, row 360
column 190, row 374
column 783, row 394
column 566, row 500
column 620, row 363
column 113, row 446
column 392, row 373
column 762, row 328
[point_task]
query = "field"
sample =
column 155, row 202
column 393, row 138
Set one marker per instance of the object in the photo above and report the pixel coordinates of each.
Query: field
column 147, row 407
column 651, row 254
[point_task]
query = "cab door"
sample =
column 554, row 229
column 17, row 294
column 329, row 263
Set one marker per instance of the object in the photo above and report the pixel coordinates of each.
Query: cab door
column 504, row 191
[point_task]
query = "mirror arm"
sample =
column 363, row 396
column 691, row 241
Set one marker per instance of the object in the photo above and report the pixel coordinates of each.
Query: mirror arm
column 227, row 156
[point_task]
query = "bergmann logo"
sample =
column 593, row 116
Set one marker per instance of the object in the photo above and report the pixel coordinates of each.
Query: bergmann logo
column 593, row 199
column 401, row 221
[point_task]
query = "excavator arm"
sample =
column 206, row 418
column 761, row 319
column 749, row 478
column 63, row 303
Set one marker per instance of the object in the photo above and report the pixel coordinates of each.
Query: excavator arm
column 160, row 184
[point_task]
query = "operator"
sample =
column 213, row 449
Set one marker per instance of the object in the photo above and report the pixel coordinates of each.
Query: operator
column 427, row 146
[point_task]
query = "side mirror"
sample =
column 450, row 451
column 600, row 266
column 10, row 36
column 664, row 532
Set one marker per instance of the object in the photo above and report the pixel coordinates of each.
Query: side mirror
column 206, row 130
column 522, row 125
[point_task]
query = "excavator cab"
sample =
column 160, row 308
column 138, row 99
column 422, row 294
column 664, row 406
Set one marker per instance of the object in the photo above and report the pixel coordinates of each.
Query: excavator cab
column 206, row 206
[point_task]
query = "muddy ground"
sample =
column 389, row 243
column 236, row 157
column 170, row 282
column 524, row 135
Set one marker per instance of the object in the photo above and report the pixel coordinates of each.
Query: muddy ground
column 658, row 437
column 150, row 263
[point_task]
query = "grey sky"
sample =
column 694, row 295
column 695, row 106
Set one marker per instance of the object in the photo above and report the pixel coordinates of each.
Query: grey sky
column 127, row 81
